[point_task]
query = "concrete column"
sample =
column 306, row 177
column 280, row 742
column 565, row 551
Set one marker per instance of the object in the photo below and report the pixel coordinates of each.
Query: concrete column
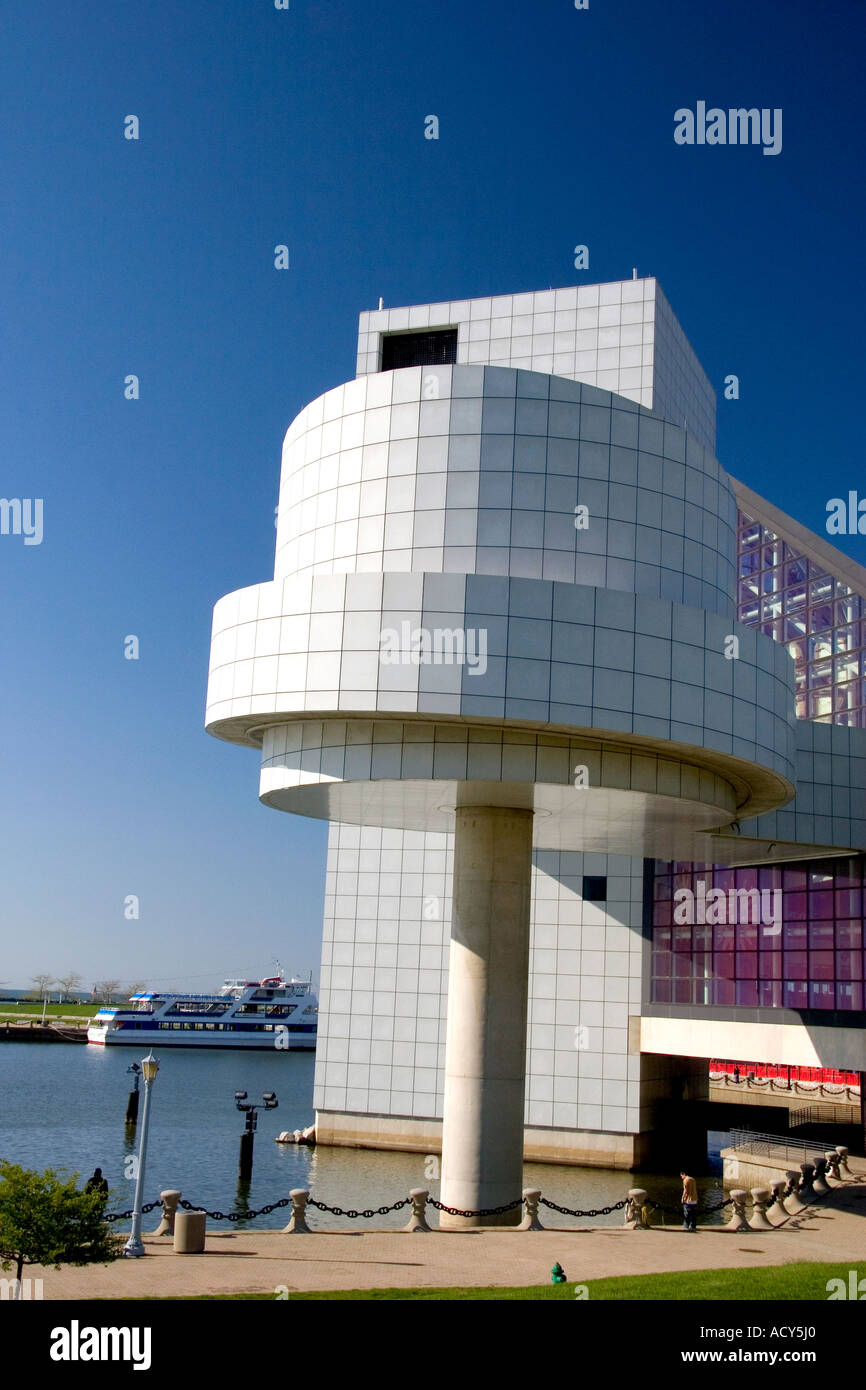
column 488, row 986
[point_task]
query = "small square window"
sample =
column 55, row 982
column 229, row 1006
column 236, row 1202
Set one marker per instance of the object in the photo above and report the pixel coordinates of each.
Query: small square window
column 435, row 348
column 595, row 888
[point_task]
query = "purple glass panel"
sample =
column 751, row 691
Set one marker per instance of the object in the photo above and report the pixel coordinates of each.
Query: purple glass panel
column 848, row 965
column 793, row 879
column 794, row 936
column 795, row 965
column 821, row 965
column 847, row 902
column 821, row 995
column 849, row 933
column 821, row 904
column 849, row 996
column 795, row 994
column 821, row 936
column 770, row 994
column 770, row 965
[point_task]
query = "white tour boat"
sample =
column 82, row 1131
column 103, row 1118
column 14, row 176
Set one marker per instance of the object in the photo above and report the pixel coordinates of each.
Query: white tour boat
column 274, row 1013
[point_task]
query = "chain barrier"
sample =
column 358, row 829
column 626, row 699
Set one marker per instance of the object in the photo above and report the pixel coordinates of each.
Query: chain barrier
column 126, row 1215
column 351, row 1213
column 237, row 1215
column 595, row 1211
column 368, row 1211
column 485, row 1211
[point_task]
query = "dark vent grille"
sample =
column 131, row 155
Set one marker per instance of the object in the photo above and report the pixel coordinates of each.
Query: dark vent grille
column 594, row 889
column 419, row 349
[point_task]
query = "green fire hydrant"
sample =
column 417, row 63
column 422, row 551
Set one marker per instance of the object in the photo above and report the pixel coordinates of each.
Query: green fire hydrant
column 557, row 1274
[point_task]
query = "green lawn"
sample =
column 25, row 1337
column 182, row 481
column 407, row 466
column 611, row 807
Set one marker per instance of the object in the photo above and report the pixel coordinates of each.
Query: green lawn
column 30, row 1009
column 792, row 1282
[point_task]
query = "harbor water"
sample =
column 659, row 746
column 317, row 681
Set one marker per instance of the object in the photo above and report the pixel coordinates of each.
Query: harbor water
column 64, row 1106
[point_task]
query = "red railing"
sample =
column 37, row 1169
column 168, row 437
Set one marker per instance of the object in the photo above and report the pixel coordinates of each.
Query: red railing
column 828, row 1075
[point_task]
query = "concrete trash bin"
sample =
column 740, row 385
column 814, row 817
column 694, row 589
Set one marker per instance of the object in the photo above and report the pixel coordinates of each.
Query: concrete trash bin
column 189, row 1232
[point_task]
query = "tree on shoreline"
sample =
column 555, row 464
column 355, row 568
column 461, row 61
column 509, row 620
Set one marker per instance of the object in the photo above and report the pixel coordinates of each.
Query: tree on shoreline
column 69, row 984
column 45, row 1219
column 105, row 990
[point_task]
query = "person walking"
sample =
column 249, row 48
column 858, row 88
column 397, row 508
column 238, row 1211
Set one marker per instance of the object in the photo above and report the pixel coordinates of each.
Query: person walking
column 689, row 1200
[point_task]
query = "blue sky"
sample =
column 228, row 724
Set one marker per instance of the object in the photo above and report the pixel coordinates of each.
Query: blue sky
column 155, row 257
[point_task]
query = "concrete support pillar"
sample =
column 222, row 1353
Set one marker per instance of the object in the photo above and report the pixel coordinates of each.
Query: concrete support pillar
column 488, row 986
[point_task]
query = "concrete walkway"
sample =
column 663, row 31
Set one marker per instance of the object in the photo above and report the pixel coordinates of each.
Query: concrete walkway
column 833, row 1230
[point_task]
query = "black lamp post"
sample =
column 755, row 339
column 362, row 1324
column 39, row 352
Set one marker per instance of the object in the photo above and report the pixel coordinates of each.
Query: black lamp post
column 249, row 1108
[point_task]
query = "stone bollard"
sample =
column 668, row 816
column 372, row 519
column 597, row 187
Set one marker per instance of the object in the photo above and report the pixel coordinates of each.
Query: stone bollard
column 807, row 1192
column 530, row 1220
column 758, row 1219
column 791, row 1200
column 635, row 1215
column 842, row 1151
column 418, row 1219
column 777, row 1211
column 169, row 1200
column 819, row 1185
column 189, row 1232
column 833, row 1161
column 298, row 1223
column 738, row 1220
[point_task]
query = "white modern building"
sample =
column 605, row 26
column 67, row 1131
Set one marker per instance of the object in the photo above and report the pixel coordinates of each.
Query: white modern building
column 538, row 659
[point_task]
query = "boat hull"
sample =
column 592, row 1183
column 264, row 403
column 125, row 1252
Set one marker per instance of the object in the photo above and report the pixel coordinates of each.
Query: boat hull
column 129, row 1038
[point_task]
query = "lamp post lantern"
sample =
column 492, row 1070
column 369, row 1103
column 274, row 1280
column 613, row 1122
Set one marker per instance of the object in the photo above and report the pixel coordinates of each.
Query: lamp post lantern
column 245, row 1160
column 135, row 1246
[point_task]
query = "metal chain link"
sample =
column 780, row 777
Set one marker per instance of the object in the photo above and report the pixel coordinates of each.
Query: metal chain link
column 485, row 1211
column 237, row 1215
column 126, row 1215
column 368, row 1211
column 595, row 1211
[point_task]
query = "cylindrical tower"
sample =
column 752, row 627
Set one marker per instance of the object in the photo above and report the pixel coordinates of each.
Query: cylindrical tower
column 502, row 608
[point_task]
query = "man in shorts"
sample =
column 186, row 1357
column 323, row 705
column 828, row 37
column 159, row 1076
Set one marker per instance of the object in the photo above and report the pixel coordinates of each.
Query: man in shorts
column 689, row 1200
